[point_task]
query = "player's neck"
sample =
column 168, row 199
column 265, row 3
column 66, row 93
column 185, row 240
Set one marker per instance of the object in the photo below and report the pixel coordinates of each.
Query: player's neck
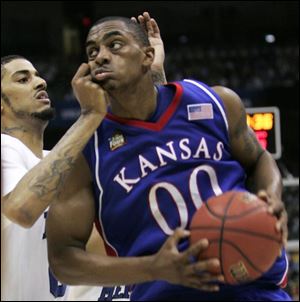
column 136, row 102
column 31, row 135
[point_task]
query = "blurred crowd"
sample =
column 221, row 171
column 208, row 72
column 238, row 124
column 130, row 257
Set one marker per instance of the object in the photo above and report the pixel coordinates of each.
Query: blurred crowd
column 250, row 68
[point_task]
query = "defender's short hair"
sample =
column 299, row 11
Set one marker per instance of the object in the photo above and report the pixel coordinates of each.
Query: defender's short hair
column 7, row 59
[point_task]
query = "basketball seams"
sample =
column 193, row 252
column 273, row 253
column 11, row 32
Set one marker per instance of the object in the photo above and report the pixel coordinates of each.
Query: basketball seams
column 244, row 255
column 250, row 211
column 229, row 229
column 215, row 241
column 231, row 199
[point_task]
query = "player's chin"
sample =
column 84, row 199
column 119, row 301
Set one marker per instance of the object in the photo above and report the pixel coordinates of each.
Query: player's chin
column 99, row 82
column 107, row 84
column 102, row 83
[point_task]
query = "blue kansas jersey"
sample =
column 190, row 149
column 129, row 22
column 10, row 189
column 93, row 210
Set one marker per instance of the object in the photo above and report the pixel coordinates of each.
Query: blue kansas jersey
column 151, row 176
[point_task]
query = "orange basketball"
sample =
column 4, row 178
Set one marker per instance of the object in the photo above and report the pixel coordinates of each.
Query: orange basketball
column 241, row 235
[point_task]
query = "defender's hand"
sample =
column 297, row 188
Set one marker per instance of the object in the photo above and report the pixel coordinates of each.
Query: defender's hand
column 276, row 208
column 154, row 37
column 91, row 96
column 175, row 267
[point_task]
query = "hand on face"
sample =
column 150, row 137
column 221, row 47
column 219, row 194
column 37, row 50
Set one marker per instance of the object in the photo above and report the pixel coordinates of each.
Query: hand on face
column 91, row 96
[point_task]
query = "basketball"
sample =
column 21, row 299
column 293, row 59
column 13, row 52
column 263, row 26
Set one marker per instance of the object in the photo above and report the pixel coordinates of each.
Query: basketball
column 241, row 235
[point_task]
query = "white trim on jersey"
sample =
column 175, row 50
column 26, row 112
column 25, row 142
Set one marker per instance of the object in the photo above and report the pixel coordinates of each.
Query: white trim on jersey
column 285, row 272
column 212, row 97
column 96, row 146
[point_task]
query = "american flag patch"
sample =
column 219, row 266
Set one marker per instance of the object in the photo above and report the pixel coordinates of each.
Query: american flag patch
column 200, row 112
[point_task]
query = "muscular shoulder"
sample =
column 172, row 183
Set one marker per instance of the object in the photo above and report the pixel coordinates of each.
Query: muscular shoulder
column 232, row 102
column 244, row 145
column 235, row 110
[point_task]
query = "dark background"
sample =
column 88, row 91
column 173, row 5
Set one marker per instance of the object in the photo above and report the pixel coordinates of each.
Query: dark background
column 217, row 42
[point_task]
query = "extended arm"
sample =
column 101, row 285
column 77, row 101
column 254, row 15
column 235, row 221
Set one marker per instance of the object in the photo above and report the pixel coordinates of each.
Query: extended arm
column 263, row 175
column 42, row 184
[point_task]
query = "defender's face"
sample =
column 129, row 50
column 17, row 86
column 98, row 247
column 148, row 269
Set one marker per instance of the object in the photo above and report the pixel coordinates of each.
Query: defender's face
column 24, row 88
column 115, row 57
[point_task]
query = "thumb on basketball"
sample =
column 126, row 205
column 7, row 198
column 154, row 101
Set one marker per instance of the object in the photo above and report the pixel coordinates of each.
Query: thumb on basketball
column 263, row 195
column 275, row 206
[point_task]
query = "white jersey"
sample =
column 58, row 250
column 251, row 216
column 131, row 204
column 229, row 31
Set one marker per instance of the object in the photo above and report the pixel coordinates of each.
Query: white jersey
column 98, row 293
column 25, row 274
column 84, row 293
column 25, row 269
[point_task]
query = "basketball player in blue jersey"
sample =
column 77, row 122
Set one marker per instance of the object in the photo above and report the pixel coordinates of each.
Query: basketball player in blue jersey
column 157, row 153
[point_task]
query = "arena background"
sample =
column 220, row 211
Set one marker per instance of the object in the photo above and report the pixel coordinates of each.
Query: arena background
column 251, row 47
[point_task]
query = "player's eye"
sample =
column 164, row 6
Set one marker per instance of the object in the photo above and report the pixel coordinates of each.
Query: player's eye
column 115, row 45
column 23, row 80
column 92, row 52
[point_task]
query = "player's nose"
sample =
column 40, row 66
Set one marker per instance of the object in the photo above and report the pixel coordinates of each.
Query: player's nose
column 103, row 56
column 40, row 84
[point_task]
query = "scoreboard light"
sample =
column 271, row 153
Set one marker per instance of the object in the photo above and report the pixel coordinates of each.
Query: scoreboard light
column 265, row 122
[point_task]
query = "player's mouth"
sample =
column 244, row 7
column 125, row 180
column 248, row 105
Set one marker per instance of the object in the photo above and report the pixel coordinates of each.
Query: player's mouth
column 101, row 74
column 42, row 96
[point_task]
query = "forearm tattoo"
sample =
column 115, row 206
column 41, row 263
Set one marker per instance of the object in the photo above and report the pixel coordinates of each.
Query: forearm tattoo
column 50, row 183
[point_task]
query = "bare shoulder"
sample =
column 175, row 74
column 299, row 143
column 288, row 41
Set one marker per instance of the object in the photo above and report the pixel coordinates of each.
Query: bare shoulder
column 234, row 107
column 244, row 145
column 232, row 102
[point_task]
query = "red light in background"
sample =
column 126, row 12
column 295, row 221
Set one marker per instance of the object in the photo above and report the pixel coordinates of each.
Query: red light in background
column 262, row 136
column 86, row 21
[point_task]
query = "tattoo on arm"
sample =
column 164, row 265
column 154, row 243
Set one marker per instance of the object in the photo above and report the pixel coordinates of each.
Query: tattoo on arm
column 252, row 146
column 50, row 182
column 48, row 185
column 10, row 131
column 243, row 133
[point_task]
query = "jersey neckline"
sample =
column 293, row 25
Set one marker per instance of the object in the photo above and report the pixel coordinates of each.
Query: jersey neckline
column 162, row 121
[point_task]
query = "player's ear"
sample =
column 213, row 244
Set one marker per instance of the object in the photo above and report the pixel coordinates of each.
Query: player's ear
column 149, row 57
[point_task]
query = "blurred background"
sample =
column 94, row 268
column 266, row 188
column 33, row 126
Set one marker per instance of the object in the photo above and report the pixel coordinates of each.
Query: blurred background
column 251, row 47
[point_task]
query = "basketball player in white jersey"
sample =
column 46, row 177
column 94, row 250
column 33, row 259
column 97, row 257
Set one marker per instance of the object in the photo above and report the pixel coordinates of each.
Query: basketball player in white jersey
column 25, row 112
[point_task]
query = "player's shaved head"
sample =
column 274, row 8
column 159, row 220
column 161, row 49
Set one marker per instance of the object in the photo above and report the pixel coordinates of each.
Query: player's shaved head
column 135, row 28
